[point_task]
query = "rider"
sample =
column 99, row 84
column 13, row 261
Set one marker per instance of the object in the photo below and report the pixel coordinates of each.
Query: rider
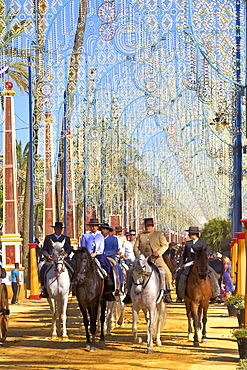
column 153, row 243
column 94, row 242
column 187, row 261
column 111, row 250
column 57, row 236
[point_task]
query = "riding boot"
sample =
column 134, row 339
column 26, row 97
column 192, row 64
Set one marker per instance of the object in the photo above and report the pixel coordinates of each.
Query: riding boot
column 167, row 296
column 44, row 293
column 127, row 299
column 108, row 284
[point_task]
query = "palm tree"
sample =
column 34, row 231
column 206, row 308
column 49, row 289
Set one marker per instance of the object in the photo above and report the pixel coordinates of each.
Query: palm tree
column 70, row 91
column 10, row 29
column 214, row 231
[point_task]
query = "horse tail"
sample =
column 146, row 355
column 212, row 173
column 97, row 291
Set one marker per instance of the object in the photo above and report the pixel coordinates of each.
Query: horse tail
column 160, row 317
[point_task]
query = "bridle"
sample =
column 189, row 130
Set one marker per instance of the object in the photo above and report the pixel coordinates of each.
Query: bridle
column 145, row 276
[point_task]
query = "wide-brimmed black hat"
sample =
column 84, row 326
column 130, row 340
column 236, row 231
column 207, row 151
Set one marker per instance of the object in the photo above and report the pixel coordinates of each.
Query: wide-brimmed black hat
column 149, row 221
column 105, row 226
column 58, row 224
column 194, row 230
column 93, row 221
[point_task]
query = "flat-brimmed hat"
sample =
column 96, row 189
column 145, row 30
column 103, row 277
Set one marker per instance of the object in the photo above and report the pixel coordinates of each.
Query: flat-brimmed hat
column 105, row 226
column 93, row 221
column 149, row 221
column 58, row 224
column 194, row 230
column 118, row 228
column 172, row 244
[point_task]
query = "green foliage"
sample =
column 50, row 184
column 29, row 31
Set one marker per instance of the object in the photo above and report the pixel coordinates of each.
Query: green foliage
column 214, row 231
column 237, row 301
column 240, row 333
column 242, row 364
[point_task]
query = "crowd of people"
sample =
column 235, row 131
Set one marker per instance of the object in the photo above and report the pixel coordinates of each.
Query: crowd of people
column 113, row 248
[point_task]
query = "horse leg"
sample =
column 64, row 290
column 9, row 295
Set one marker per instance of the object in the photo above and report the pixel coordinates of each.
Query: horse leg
column 93, row 311
column 160, row 312
column 54, row 318
column 199, row 333
column 188, row 310
column 135, row 314
column 204, row 321
column 195, row 322
column 109, row 316
column 102, row 321
column 150, row 332
column 64, row 303
column 85, row 321
column 120, row 320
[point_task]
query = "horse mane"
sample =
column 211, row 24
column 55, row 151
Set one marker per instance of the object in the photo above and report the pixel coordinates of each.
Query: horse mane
column 83, row 250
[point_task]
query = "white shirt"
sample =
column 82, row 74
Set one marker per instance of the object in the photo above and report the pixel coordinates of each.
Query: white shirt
column 127, row 250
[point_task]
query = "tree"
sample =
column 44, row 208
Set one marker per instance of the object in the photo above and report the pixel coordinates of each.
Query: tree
column 10, row 29
column 214, row 231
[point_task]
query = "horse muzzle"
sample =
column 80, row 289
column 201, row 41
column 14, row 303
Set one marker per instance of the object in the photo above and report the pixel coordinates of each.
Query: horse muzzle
column 202, row 276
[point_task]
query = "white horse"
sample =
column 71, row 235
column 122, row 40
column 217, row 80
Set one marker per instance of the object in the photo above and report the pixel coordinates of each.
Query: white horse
column 58, row 285
column 144, row 293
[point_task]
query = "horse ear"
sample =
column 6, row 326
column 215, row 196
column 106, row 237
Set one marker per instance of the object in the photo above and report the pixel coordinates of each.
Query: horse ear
column 63, row 242
column 52, row 242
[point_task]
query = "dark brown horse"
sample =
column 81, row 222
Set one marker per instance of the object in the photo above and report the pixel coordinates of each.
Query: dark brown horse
column 197, row 295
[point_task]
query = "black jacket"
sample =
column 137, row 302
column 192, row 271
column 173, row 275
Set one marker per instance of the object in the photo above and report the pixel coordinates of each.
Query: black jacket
column 218, row 266
column 47, row 247
column 189, row 255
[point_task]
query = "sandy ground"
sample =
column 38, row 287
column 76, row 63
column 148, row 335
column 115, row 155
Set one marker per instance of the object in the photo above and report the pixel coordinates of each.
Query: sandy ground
column 28, row 345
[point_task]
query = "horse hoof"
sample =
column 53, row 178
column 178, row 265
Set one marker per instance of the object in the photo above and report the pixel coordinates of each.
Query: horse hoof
column 138, row 340
column 92, row 349
column 54, row 337
column 65, row 338
column 204, row 340
column 150, row 350
column 120, row 322
column 88, row 346
column 191, row 338
column 158, row 343
column 196, row 344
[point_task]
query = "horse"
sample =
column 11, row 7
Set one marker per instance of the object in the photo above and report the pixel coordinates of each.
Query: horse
column 144, row 292
column 89, row 290
column 58, row 286
column 197, row 295
column 115, row 309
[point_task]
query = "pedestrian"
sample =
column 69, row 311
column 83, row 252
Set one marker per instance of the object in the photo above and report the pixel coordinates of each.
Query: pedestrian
column 226, row 277
column 15, row 278
column 218, row 267
column 47, row 250
column 95, row 244
column 153, row 244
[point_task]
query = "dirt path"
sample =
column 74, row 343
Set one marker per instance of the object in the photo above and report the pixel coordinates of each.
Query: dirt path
column 28, row 345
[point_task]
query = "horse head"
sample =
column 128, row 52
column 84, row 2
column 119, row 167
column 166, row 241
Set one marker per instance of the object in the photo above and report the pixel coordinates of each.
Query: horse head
column 82, row 260
column 141, row 272
column 58, row 255
column 201, row 262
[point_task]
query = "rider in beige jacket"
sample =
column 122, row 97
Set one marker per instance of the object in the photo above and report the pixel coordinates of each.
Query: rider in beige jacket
column 153, row 243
